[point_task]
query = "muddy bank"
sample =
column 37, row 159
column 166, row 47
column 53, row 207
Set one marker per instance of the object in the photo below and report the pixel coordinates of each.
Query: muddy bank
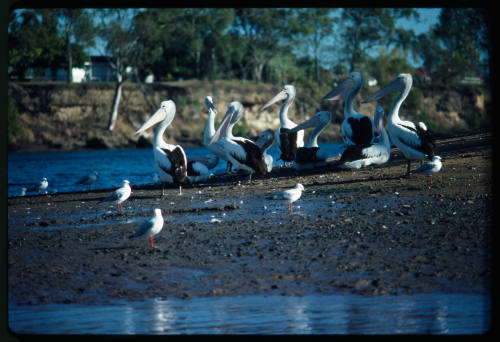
column 369, row 232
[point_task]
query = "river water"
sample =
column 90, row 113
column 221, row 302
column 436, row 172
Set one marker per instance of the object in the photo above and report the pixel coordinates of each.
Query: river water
column 64, row 168
column 253, row 314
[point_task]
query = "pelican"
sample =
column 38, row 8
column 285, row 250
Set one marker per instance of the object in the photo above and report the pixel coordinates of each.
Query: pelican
column 170, row 160
column 414, row 140
column 355, row 157
column 41, row 186
column 242, row 153
column 120, row 195
column 288, row 143
column 357, row 129
column 238, row 110
column 430, row 167
column 198, row 169
column 265, row 140
column 290, row 195
column 150, row 227
column 88, row 179
column 311, row 155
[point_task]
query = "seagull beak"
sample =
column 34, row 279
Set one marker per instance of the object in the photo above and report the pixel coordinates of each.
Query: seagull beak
column 223, row 125
column 158, row 116
column 390, row 88
column 278, row 97
column 312, row 122
column 340, row 91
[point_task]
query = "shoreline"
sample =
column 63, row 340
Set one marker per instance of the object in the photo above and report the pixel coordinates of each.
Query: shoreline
column 368, row 232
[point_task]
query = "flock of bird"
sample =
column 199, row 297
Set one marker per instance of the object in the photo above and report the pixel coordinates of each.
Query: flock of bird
column 366, row 140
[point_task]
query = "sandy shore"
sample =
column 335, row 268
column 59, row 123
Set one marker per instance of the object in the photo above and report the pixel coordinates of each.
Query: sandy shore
column 369, row 232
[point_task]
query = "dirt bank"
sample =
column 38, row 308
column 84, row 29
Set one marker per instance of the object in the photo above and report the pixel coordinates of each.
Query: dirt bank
column 367, row 232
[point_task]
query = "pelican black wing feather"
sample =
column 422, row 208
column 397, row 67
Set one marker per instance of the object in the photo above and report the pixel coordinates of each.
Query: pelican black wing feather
column 362, row 131
column 305, row 155
column 255, row 157
column 179, row 164
column 428, row 145
column 288, row 144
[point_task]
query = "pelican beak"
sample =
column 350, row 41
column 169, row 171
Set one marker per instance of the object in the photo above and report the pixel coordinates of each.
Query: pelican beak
column 158, row 116
column 390, row 88
column 282, row 95
column 223, row 125
column 312, row 122
column 340, row 91
column 210, row 105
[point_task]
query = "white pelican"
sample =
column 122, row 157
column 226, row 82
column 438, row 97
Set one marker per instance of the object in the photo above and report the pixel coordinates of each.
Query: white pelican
column 41, row 186
column 120, row 195
column 242, row 153
column 311, row 156
column 198, row 169
column 150, row 228
column 414, row 140
column 265, row 140
column 170, row 160
column 290, row 195
column 88, row 179
column 288, row 143
column 355, row 157
column 357, row 129
column 430, row 167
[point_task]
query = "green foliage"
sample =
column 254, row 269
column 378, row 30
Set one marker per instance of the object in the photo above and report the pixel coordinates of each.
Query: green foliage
column 15, row 127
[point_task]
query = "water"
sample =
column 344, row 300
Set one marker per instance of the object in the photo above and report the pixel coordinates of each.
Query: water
column 63, row 169
column 311, row 314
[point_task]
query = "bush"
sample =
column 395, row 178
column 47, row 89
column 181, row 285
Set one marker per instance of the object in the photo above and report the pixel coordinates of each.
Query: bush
column 15, row 128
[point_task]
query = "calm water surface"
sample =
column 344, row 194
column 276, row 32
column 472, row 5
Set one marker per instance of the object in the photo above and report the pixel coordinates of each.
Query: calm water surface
column 311, row 314
column 63, row 169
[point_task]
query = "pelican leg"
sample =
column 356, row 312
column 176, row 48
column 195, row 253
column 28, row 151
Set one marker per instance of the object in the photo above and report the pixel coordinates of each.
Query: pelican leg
column 162, row 189
column 229, row 167
column 180, row 190
column 408, row 168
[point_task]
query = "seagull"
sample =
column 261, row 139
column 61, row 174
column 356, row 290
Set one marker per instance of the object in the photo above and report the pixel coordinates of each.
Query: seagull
column 150, row 227
column 120, row 195
column 41, row 186
column 88, row 179
column 290, row 195
column 23, row 191
column 430, row 167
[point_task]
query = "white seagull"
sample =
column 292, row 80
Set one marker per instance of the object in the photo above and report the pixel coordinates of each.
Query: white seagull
column 355, row 157
column 414, row 140
column 41, row 186
column 430, row 167
column 241, row 152
column 120, row 195
column 311, row 156
column 170, row 160
column 150, row 227
column 288, row 143
column 290, row 195
column 88, row 179
column 265, row 140
column 357, row 128
column 23, row 191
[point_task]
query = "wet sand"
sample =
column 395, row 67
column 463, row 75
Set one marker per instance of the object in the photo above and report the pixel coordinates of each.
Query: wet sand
column 369, row 232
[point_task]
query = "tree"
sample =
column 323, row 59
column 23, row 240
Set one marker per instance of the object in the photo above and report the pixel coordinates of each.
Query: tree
column 117, row 31
column 74, row 25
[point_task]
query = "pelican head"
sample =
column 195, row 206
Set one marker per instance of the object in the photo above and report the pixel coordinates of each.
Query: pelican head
column 320, row 119
column 401, row 83
column 210, row 104
column 266, row 139
column 233, row 114
column 354, row 81
column 166, row 113
column 287, row 93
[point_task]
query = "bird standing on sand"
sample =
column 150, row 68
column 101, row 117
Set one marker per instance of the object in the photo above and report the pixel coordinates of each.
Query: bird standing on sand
column 430, row 167
column 150, row 227
column 41, row 186
column 88, row 179
column 120, row 195
column 290, row 195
